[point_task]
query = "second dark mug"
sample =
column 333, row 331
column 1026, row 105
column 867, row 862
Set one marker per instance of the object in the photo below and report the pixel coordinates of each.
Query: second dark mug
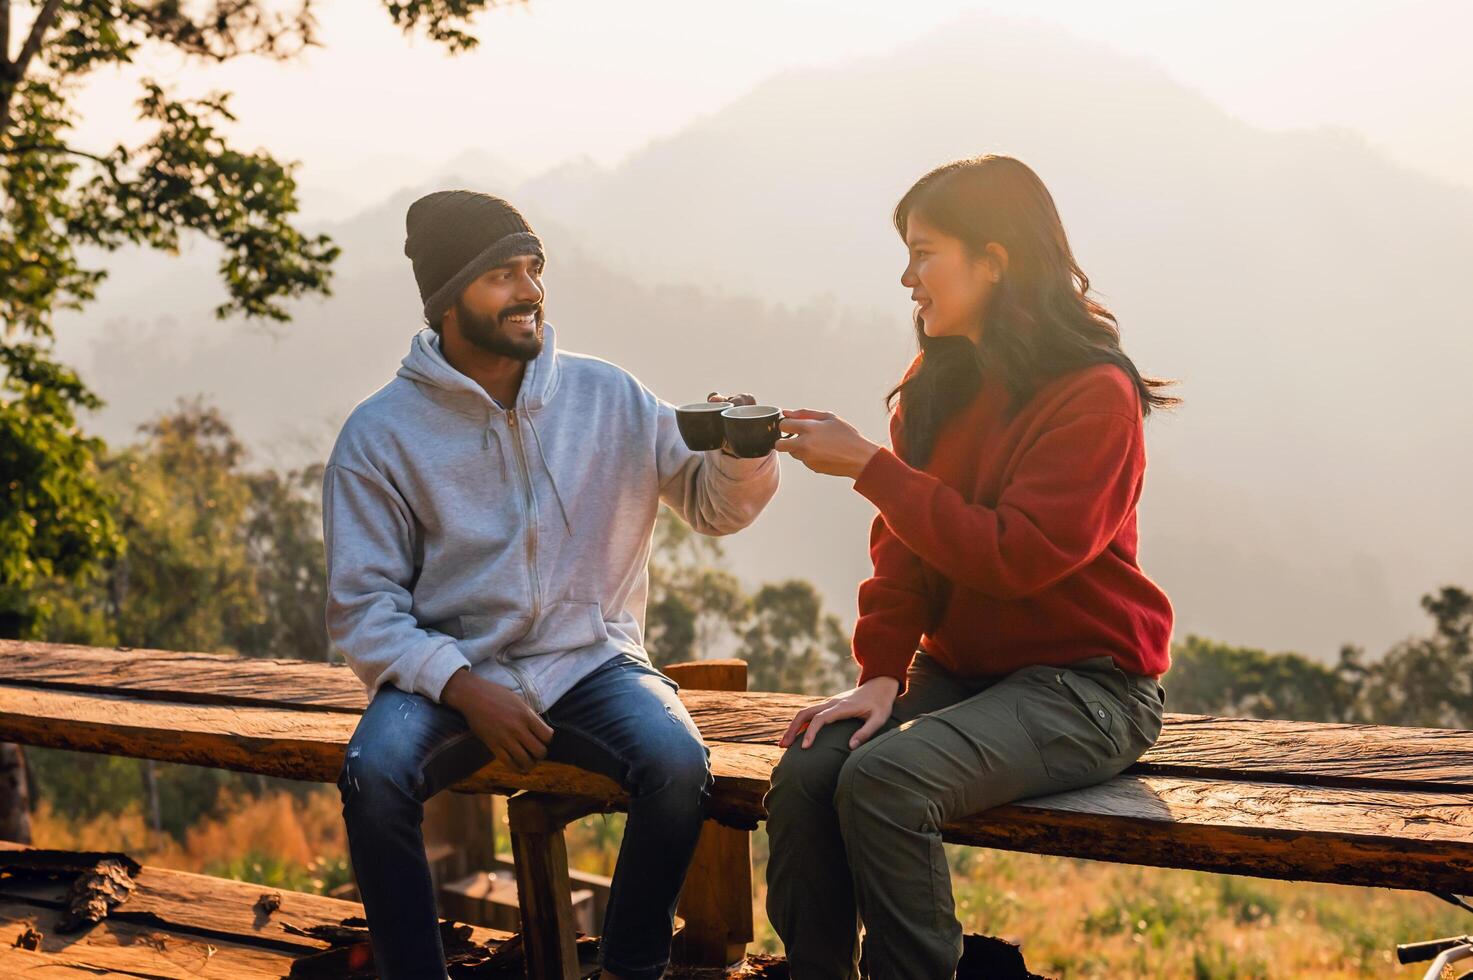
column 751, row 430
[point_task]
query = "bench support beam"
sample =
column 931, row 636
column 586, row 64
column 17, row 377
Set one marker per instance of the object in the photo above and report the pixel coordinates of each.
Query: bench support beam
column 717, row 900
column 544, row 893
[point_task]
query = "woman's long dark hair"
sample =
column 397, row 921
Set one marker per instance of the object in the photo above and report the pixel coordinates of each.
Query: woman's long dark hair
column 1041, row 321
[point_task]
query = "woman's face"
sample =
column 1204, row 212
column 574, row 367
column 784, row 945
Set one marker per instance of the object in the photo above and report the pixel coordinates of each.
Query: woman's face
column 949, row 285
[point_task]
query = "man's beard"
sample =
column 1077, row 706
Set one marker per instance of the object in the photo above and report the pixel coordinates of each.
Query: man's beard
column 489, row 333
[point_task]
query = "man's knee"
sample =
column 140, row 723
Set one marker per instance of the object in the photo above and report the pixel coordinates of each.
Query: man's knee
column 690, row 767
column 676, row 768
column 376, row 773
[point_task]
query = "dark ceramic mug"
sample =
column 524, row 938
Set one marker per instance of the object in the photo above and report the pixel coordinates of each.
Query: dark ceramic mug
column 701, row 424
column 751, row 430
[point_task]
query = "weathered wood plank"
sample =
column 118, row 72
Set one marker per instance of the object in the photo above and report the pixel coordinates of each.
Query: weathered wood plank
column 1357, row 756
column 174, row 924
column 303, row 745
column 1408, row 840
column 205, row 678
column 1402, row 839
column 213, row 907
column 123, row 949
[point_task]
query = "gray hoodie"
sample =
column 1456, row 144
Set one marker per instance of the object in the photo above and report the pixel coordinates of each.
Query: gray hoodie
column 515, row 541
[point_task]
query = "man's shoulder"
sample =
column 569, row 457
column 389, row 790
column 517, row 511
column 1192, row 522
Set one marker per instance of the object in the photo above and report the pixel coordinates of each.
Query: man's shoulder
column 373, row 417
column 384, row 406
column 585, row 371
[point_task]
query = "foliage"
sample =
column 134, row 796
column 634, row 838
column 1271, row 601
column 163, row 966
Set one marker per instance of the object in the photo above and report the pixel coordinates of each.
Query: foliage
column 56, row 518
column 693, row 602
column 290, row 836
column 319, row 876
column 283, row 541
column 697, row 609
column 219, row 557
column 1422, row 681
column 792, row 644
column 1207, row 677
column 59, row 199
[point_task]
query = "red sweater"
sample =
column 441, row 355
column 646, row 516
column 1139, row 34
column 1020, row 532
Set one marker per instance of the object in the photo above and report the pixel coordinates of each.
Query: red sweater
column 1016, row 545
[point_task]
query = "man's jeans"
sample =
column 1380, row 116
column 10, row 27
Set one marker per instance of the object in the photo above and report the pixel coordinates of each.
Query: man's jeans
column 623, row 720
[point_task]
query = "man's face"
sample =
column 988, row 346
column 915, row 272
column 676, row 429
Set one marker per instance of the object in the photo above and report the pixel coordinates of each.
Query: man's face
column 501, row 311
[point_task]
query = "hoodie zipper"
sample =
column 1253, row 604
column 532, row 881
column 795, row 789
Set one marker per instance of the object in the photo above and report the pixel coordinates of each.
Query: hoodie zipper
column 529, row 511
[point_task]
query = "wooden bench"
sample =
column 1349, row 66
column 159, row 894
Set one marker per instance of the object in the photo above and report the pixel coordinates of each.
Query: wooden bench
column 1345, row 804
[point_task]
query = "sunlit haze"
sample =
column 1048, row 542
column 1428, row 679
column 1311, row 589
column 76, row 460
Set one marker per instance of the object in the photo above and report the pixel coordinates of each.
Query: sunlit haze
column 555, row 80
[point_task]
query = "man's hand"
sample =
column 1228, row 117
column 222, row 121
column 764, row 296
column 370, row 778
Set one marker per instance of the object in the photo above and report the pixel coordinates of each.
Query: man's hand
column 514, row 733
column 872, row 701
column 742, row 399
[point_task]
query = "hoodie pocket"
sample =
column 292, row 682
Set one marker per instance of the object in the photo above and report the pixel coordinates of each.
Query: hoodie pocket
column 567, row 624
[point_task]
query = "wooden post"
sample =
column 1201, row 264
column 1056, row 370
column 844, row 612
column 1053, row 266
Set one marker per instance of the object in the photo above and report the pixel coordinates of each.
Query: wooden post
column 717, row 900
column 544, row 894
column 15, row 800
column 462, row 828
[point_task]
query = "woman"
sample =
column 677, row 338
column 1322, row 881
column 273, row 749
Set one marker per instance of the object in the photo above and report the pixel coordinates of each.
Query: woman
column 1005, row 547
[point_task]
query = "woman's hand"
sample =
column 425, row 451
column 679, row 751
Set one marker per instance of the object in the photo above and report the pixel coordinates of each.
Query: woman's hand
column 825, row 443
column 872, row 701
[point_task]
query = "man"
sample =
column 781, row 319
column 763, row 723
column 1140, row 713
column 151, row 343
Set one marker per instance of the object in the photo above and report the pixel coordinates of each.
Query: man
column 488, row 517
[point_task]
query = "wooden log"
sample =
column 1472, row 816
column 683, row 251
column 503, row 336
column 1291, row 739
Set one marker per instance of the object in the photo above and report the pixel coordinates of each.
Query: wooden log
column 174, row 924
column 291, row 744
column 212, row 908
column 1434, row 825
column 306, row 745
column 1414, row 839
column 544, row 894
column 1301, row 753
column 122, row 949
column 202, row 678
column 716, row 902
column 1410, row 840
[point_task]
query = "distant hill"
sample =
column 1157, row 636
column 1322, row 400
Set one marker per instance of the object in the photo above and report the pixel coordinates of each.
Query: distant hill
column 1306, row 291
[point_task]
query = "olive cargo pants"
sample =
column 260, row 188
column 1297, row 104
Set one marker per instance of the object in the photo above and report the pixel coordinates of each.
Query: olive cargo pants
column 855, row 835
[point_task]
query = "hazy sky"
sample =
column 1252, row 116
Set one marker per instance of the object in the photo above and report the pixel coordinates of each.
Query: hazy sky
column 558, row 79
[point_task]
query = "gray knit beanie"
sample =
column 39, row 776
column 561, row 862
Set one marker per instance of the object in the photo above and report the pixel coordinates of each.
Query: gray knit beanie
column 454, row 236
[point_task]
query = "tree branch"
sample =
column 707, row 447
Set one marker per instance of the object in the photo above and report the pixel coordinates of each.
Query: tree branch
column 33, row 43
column 11, row 72
column 20, row 148
column 4, row 37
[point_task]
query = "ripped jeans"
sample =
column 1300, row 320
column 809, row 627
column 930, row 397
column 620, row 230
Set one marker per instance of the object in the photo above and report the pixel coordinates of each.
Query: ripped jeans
column 623, row 720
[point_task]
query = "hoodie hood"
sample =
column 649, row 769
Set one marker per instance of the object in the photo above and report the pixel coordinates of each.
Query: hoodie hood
column 425, row 365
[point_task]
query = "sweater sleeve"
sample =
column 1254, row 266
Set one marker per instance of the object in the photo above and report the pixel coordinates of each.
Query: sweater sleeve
column 1063, row 504
column 895, row 604
column 894, row 608
column 368, row 535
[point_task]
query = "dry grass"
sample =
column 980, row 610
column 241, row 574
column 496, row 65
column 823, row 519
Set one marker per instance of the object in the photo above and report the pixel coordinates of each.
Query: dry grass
column 274, row 839
column 1078, row 919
